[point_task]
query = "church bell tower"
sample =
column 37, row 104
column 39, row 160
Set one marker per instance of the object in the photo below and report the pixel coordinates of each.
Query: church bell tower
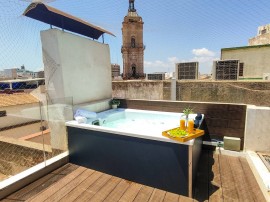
column 132, row 48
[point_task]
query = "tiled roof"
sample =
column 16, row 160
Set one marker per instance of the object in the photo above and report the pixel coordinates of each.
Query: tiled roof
column 17, row 99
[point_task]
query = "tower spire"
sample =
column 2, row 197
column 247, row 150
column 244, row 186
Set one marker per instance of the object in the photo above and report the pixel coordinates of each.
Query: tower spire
column 131, row 6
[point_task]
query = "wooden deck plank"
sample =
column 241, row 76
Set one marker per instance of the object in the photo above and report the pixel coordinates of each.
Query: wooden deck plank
column 228, row 184
column 94, row 188
column 42, row 196
column 240, row 179
column 131, row 192
column 75, row 193
column 70, row 186
column 253, row 186
column 171, row 197
column 157, row 195
column 144, row 194
column 119, row 190
column 106, row 189
column 10, row 200
column 186, row 199
column 50, row 182
column 19, row 195
column 225, row 177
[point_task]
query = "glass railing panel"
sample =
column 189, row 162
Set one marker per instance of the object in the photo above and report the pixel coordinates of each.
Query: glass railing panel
column 56, row 112
column 21, row 141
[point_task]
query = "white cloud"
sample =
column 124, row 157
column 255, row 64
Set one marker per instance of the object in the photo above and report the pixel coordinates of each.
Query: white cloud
column 203, row 52
column 203, row 59
column 161, row 66
column 204, row 56
column 173, row 60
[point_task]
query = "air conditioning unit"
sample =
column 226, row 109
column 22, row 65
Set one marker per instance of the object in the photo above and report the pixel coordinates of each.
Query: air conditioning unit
column 266, row 76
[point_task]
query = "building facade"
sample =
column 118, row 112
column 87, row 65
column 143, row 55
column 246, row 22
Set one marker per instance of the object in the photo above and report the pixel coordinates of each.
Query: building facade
column 156, row 76
column 16, row 73
column 133, row 47
column 115, row 70
column 263, row 36
column 187, row 70
column 226, row 70
column 254, row 61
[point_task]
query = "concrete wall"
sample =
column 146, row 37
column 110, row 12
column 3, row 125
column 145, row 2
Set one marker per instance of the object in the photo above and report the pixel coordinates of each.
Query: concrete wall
column 255, row 93
column 256, row 59
column 96, row 106
column 75, row 67
column 138, row 89
column 77, row 70
column 257, row 129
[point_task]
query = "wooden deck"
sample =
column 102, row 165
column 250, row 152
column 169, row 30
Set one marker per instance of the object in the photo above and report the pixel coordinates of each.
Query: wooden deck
column 220, row 178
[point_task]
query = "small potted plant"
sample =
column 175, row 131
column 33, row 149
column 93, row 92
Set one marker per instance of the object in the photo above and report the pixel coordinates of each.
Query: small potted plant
column 186, row 112
column 114, row 103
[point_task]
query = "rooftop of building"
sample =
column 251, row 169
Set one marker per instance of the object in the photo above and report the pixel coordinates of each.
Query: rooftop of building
column 8, row 100
column 245, row 47
column 21, row 80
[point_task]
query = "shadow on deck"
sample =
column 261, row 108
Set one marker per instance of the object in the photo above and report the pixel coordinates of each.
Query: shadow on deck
column 225, row 178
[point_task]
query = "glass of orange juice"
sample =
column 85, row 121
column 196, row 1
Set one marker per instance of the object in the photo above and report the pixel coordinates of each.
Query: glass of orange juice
column 190, row 126
column 182, row 124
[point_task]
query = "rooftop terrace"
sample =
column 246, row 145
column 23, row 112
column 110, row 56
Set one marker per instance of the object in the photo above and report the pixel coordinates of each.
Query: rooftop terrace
column 220, row 177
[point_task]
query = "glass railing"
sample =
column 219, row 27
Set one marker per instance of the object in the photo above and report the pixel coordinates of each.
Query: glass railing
column 32, row 131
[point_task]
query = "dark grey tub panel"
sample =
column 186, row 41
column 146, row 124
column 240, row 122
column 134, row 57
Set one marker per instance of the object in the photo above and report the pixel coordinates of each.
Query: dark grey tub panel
column 157, row 164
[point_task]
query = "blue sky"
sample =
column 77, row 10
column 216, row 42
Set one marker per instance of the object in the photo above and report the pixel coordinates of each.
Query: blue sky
column 174, row 31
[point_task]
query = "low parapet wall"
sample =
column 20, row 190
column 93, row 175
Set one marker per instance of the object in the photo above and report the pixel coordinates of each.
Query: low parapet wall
column 246, row 92
column 257, row 129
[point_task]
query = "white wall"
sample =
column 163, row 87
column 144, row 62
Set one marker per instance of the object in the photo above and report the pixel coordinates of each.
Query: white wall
column 76, row 67
column 257, row 129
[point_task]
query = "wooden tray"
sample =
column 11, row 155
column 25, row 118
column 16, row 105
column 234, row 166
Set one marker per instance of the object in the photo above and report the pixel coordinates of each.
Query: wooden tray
column 190, row 136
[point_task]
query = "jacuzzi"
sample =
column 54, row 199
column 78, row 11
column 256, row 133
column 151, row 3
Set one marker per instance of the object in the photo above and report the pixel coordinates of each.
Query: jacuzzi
column 128, row 143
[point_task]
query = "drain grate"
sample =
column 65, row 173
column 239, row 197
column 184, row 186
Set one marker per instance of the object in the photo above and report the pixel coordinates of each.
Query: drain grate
column 266, row 160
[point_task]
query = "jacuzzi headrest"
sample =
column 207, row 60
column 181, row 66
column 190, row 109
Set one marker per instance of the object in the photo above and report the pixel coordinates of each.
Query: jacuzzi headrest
column 85, row 113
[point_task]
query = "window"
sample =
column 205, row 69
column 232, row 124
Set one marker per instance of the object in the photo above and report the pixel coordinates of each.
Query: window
column 133, row 70
column 241, row 69
column 132, row 42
